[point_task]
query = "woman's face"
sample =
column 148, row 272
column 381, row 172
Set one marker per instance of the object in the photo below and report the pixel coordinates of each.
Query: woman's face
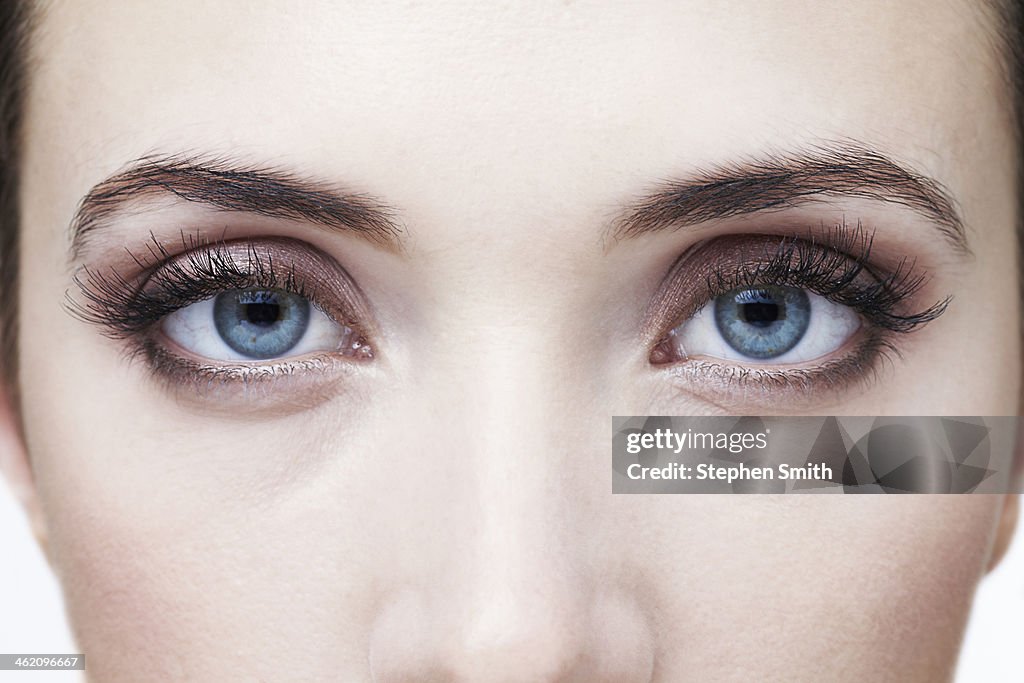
column 510, row 221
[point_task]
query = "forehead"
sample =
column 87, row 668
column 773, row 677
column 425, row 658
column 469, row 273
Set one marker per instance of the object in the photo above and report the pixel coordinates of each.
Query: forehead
column 583, row 96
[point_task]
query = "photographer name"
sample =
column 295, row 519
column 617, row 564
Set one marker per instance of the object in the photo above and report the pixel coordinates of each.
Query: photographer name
column 740, row 472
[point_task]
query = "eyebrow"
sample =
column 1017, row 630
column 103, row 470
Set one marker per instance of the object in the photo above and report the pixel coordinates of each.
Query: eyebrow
column 227, row 185
column 781, row 181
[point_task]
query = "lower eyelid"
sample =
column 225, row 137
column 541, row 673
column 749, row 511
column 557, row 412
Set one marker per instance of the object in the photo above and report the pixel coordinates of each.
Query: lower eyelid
column 737, row 387
column 276, row 389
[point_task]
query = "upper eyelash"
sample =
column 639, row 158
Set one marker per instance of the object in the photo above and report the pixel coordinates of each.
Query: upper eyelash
column 125, row 309
column 831, row 268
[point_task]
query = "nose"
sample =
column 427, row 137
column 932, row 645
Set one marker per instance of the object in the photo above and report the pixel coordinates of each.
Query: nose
column 512, row 637
column 522, row 594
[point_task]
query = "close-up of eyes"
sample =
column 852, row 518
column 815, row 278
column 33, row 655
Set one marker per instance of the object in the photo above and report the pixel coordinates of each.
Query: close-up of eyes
column 758, row 301
column 806, row 303
column 228, row 307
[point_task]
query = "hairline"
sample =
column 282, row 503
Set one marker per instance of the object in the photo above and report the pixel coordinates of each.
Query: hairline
column 17, row 23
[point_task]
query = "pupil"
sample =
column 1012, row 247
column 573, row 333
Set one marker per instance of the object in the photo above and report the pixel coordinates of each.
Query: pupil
column 263, row 315
column 760, row 314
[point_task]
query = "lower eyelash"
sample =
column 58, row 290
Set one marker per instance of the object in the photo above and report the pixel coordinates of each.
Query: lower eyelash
column 176, row 372
column 860, row 367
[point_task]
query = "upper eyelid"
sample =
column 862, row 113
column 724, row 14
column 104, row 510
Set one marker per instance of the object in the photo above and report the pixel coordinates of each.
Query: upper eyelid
column 668, row 310
column 109, row 294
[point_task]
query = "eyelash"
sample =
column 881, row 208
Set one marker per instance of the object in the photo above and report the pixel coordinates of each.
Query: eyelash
column 831, row 267
column 128, row 310
column 835, row 266
column 205, row 270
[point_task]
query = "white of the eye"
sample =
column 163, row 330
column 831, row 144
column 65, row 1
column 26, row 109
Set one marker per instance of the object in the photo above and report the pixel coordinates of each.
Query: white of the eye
column 830, row 326
column 193, row 329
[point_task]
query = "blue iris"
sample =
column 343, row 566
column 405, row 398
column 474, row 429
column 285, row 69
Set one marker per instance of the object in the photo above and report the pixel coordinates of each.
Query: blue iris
column 763, row 322
column 261, row 323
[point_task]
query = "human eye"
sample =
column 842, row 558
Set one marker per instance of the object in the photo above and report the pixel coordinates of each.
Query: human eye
column 231, row 312
column 796, row 313
column 770, row 323
column 255, row 324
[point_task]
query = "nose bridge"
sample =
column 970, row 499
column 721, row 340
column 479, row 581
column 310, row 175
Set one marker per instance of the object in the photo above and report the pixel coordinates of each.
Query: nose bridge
column 517, row 540
column 515, row 599
column 523, row 600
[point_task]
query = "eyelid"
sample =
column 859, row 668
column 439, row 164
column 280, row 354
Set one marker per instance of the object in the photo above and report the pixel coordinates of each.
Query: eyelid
column 318, row 274
column 735, row 388
column 709, row 268
column 270, row 390
column 685, row 288
column 173, row 280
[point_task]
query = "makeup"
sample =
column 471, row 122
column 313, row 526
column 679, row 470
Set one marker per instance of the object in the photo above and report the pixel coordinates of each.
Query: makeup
column 149, row 309
column 886, row 296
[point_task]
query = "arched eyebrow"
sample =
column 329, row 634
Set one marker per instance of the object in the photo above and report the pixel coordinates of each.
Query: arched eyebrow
column 753, row 185
column 228, row 185
column 781, row 181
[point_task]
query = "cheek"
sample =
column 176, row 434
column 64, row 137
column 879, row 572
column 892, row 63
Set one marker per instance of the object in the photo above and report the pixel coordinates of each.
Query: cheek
column 173, row 552
column 856, row 584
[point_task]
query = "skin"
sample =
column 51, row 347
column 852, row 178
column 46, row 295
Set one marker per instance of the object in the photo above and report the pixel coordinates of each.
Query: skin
column 426, row 518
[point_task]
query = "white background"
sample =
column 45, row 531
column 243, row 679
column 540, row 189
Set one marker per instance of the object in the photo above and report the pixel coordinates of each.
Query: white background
column 32, row 617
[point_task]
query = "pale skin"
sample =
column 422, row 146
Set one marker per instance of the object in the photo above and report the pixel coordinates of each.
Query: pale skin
column 442, row 511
